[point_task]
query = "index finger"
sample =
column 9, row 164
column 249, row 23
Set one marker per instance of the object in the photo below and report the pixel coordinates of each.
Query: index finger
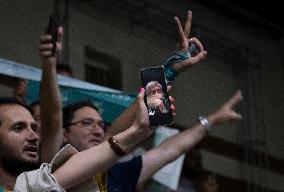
column 187, row 25
column 237, row 97
column 179, row 30
column 60, row 34
column 169, row 88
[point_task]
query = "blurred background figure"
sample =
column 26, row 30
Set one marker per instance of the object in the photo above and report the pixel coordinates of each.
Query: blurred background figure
column 207, row 183
column 64, row 69
column 192, row 170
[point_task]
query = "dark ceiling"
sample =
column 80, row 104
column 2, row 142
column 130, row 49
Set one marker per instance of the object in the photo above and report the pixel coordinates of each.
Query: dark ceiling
column 269, row 10
column 263, row 14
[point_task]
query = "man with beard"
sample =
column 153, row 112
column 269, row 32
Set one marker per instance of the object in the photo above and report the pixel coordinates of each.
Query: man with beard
column 19, row 143
column 19, row 152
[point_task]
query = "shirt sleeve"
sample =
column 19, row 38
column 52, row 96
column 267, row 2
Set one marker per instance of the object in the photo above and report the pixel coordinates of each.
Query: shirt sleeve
column 43, row 180
column 37, row 180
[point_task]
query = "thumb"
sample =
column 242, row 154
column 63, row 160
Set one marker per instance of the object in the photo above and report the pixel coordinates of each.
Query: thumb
column 60, row 34
column 236, row 116
column 200, row 56
column 141, row 95
column 140, row 98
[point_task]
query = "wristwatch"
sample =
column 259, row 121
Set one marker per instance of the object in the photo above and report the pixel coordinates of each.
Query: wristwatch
column 204, row 121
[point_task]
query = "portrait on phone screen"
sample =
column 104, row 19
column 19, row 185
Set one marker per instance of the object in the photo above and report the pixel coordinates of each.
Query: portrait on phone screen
column 156, row 101
column 156, row 96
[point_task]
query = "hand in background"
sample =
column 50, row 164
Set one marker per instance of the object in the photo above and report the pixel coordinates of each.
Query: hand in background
column 226, row 112
column 184, row 44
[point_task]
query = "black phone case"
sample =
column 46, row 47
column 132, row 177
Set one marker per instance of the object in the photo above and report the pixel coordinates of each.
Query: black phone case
column 152, row 78
column 54, row 22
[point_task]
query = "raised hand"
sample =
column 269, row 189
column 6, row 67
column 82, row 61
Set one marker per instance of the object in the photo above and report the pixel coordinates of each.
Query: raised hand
column 184, row 44
column 142, row 118
column 172, row 101
column 45, row 46
column 226, row 112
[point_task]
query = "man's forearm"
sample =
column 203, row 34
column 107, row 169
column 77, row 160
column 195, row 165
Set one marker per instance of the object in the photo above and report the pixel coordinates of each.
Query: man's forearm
column 96, row 159
column 123, row 122
column 51, row 112
column 169, row 150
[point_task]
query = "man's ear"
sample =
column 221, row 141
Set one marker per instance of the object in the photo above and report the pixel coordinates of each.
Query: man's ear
column 65, row 136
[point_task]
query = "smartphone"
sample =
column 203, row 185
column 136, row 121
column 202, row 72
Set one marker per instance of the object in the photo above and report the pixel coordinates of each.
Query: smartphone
column 52, row 29
column 156, row 96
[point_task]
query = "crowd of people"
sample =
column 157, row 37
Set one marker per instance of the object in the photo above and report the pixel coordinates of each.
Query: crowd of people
column 45, row 147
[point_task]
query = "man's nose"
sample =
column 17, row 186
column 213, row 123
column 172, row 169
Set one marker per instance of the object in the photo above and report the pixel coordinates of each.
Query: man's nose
column 33, row 136
column 98, row 129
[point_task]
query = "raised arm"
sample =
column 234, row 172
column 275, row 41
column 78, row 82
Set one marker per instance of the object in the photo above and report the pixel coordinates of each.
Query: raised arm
column 124, row 121
column 188, row 53
column 184, row 45
column 50, row 100
column 178, row 65
column 99, row 158
column 175, row 146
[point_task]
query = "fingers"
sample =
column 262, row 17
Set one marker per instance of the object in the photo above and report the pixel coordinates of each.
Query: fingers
column 60, row 34
column 59, row 40
column 172, row 105
column 196, row 59
column 172, row 100
column 169, row 88
column 45, row 38
column 141, row 95
column 186, row 64
column 236, row 116
column 179, row 30
column 44, row 47
column 173, row 108
column 237, row 97
column 197, row 43
column 187, row 25
column 46, row 53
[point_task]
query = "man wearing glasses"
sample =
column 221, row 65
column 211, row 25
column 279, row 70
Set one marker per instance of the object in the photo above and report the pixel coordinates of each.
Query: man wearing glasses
column 83, row 125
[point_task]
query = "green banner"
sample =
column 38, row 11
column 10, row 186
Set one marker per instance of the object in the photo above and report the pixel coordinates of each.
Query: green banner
column 111, row 104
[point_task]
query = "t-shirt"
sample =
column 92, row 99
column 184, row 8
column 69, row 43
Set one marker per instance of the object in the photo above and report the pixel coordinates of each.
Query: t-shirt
column 123, row 177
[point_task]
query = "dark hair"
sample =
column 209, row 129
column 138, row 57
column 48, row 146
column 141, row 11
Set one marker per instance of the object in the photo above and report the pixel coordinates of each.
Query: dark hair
column 33, row 104
column 70, row 109
column 64, row 67
column 11, row 100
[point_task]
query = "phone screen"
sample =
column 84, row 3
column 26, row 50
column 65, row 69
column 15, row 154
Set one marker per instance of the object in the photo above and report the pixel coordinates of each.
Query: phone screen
column 156, row 96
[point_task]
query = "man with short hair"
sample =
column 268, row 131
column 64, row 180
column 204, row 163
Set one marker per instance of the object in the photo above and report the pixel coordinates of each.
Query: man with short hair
column 79, row 120
column 19, row 153
column 19, row 143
